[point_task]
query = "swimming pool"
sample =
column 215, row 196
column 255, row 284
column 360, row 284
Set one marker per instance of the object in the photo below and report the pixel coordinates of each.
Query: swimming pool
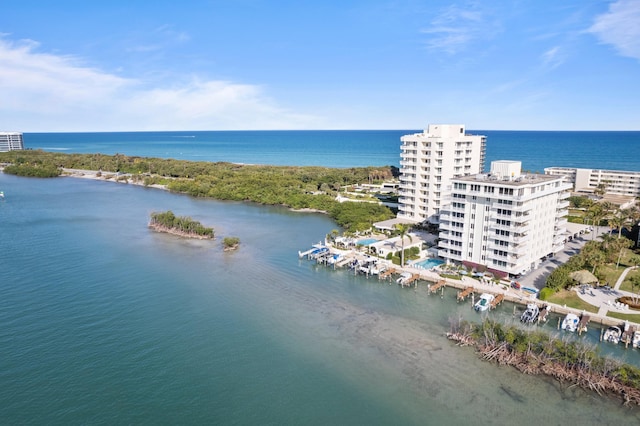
column 367, row 241
column 428, row 263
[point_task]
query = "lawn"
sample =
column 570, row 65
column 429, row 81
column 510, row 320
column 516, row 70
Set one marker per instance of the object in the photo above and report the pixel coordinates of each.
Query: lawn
column 572, row 300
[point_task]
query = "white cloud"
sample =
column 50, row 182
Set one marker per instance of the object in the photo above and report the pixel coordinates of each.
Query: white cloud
column 620, row 27
column 46, row 92
column 553, row 57
column 455, row 28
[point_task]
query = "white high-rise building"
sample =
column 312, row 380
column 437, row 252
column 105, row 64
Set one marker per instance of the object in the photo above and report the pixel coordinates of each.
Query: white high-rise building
column 504, row 220
column 10, row 141
column 428, row 161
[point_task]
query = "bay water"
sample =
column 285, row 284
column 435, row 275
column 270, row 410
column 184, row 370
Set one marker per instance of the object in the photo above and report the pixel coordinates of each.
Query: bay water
column 103, row 321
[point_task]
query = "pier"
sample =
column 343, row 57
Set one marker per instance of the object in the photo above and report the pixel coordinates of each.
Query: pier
column 387, row 273
column 465, row 293
column 495, row 302
column 437, row 286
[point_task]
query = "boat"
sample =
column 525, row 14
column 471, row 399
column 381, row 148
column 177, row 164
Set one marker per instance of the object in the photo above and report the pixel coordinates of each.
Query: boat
column 484, row 302
column 404, row 278
column 636, row 340
column 570, row 322
column 612, row 334
column 530, row 314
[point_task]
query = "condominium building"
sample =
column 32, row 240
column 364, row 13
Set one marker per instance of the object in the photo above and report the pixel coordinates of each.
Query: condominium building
column 504, row 220
column 615, row 182
column 10, row 141
column 428, row 161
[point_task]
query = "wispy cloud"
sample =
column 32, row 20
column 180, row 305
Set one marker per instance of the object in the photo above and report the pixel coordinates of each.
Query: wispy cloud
column 620, row 27
column 46, row 92
column 552, row 58
column 455, row 27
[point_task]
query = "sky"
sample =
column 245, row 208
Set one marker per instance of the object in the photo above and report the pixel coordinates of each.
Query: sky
column 136, row 65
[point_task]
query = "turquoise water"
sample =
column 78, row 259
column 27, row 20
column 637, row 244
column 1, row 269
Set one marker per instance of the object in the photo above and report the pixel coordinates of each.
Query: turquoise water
column 348, row 148
column 367, row 241
column 429, row 263
column 104, row 322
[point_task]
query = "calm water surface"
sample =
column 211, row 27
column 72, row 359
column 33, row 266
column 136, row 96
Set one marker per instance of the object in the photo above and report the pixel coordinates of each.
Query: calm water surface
column 104, row 322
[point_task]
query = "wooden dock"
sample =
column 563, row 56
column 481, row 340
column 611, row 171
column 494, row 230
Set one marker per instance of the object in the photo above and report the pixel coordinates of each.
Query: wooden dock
column 386, row 273
column 465, row 293
column 437, row 286
column 584, row 321
column 498, row 300
column 627, row 336
column 413, row 278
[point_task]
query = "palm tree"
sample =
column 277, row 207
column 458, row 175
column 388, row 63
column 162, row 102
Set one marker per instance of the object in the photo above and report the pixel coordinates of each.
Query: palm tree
column 403, row 229
column 615, row 222
column 595, row 213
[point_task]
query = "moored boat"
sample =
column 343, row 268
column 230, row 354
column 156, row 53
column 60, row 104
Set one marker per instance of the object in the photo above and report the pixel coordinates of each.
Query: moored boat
column 484, row 302
column 530, row 314
column 570, row 322
column 612, row 335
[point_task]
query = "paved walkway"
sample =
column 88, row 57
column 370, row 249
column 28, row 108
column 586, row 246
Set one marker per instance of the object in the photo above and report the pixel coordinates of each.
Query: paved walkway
column 605, row 297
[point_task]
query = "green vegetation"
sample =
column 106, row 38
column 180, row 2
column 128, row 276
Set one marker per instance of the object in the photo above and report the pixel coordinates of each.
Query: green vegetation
column 230, row 243
column 294, row 187
column 534, row 352
column 182, row 224
column 569, row 298
column 33, row 170
column 603, row 258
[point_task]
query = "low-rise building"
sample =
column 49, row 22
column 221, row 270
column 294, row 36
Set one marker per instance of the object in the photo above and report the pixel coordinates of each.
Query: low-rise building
column 11, row 141
column 614, row 182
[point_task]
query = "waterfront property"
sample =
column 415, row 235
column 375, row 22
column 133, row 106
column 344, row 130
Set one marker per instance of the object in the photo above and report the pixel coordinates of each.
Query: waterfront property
column 504, row 220
column 614, row 182
column 11, row 141
column 428, row 160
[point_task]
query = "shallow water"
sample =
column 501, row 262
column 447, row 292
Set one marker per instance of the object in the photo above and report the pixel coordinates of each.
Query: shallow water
column 104, row 321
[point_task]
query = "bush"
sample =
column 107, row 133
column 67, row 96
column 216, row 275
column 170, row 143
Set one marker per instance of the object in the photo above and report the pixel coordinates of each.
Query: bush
column 546, row 292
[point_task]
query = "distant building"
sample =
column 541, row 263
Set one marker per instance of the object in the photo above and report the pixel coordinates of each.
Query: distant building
column 11, row 141
column 428, row 161
column 505, row 221
column 614, row 182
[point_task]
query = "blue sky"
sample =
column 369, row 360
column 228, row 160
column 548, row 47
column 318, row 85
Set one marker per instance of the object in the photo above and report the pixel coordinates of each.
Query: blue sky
column 370, row 64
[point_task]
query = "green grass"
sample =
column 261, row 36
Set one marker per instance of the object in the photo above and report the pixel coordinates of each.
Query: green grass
column 626, row 284
column 572, row 300
column 629, row 317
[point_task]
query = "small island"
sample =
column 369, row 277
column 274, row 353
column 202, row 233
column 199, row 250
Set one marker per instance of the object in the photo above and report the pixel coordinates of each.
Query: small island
column 179, row 225
column 231, row 243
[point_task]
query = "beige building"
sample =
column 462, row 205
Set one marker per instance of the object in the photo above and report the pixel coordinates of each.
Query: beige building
column 504, row 220
column 428, row 161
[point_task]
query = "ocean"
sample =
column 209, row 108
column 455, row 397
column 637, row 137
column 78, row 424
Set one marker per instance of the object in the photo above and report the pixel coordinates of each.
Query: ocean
column 356, row 148
column 104, row 322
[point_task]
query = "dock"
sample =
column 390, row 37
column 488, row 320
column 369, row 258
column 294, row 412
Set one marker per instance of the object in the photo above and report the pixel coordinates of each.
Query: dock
column 627, row 335
column 495, row 302
column 584, row 321
column 437, row 286
column 413, row 278
column 465, row 293
column 387, row 273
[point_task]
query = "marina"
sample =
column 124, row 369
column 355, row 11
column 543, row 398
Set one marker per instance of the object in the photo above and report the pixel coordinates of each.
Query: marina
column 493, row 292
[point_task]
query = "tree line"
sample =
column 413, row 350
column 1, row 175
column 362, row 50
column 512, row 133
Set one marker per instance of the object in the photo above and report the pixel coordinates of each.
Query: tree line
column 291, row 186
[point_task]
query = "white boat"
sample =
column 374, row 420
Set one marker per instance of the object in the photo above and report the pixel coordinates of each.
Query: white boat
column 636, row 339
column 612, row 335
column 530, row 315
column 570, row 322
column 404, row 277
column 484, row 302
